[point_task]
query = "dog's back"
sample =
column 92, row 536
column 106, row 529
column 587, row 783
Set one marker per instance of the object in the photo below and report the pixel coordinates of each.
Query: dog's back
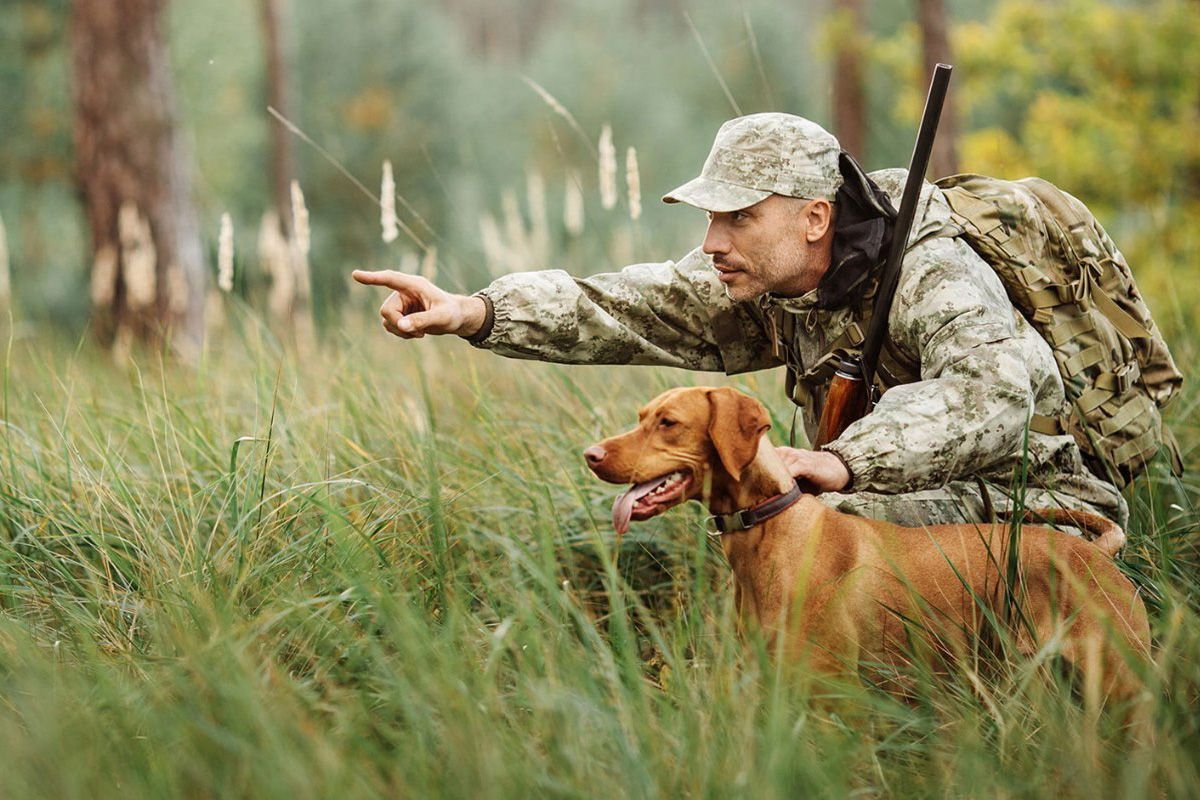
column 951, row 583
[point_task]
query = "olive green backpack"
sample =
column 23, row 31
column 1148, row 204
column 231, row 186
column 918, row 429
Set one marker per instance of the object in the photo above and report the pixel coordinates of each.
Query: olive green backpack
column 1063, row 272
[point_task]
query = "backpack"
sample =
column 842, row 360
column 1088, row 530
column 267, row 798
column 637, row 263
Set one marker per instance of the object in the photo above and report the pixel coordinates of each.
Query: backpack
column 1065, row 275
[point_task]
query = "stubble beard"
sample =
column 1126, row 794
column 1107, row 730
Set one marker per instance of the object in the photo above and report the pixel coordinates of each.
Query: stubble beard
column 788, row 280
column 769, row 274
column 751, row 283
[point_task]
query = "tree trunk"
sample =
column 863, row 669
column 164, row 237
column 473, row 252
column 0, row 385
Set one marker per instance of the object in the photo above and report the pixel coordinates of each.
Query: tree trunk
column 849, row 92
column 935, row 49
column 148, row 275
column 282, row 169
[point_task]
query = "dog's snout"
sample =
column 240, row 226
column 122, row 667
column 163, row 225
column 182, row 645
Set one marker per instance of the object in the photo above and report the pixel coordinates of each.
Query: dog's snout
column 594, row 455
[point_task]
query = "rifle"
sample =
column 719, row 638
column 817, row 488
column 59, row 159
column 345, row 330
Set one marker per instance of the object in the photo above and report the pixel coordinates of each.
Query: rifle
column 849, row 396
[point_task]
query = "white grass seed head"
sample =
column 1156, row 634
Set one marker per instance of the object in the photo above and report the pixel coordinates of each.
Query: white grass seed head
column 225, row 254
column 608, row 168
column 633, row 184
column 387, row 205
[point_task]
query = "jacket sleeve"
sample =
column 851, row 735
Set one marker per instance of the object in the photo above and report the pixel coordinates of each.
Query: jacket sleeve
column 670, row 314
column 982, row 369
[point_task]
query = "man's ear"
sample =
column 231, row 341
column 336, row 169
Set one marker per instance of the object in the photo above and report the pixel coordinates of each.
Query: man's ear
column 819, row 214
column 735, row 424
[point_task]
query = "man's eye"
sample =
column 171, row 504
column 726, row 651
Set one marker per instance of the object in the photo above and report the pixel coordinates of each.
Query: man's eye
column 738, row 216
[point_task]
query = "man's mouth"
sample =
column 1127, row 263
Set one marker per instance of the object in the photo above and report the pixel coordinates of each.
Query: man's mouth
column 645, row 500
column 725, row 271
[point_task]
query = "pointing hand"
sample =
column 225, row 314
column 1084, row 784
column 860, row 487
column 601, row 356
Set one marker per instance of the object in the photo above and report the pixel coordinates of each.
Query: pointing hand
column 417, row 307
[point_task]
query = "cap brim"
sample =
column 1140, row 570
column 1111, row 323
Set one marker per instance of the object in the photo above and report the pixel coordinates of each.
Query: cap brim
column 713, row 195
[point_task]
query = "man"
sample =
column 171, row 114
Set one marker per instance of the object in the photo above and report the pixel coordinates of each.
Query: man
column 785, row 275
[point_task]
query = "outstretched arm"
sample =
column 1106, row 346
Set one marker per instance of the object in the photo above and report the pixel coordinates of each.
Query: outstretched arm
column 671, row 314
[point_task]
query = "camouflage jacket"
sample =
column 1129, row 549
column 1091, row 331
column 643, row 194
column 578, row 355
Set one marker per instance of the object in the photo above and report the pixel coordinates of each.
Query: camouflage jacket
column 977, row 369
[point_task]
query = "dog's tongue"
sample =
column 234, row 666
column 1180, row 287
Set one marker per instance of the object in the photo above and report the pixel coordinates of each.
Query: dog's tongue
column 623, row 505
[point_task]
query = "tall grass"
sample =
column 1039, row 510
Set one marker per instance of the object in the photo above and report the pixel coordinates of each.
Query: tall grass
column 385, row 569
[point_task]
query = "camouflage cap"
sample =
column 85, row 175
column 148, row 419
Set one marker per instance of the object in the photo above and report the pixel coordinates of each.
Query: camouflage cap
column 759, row 155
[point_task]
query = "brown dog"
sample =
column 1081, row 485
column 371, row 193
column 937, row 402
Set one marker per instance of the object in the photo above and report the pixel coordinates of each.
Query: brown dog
column 843, row 591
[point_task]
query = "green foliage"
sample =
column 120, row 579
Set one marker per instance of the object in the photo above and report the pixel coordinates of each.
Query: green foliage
column 37, row 205
column 1108, row 113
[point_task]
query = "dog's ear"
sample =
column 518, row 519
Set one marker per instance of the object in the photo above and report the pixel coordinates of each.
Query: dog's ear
column 735, row 424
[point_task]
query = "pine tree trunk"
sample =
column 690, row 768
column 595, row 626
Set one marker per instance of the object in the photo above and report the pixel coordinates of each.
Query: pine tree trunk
column 849, row 91
column 282, row 169
column 148, row 276
column 935, row 49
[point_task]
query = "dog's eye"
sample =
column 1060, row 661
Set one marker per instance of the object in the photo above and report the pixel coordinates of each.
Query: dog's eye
column 666, row 423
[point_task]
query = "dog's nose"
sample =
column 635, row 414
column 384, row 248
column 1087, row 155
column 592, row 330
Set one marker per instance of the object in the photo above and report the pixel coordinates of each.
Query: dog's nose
column 594, row 455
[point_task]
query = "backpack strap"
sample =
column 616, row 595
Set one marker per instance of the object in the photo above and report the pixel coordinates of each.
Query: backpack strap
column 803, row 387
column 1048, row 426
column 1121, row 320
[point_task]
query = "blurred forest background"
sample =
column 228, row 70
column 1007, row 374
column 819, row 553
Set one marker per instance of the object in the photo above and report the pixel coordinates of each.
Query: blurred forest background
column 491, row 113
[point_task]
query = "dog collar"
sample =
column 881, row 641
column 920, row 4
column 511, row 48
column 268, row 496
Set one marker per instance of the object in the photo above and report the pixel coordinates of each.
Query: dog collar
column 746, row 518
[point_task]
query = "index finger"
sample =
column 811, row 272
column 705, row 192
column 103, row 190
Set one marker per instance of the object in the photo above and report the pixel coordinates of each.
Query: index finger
column 385, row 277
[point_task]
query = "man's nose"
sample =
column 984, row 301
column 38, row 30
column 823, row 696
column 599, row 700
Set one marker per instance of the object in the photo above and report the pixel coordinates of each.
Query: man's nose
column 594, row 455
column 715, row 240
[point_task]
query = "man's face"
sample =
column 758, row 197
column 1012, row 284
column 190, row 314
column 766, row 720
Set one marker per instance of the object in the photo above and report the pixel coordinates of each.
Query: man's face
column 779, row 245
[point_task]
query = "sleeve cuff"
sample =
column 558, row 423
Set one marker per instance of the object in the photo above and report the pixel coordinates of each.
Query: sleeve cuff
column 849, row 487
column 489, row 321
column 862, row 465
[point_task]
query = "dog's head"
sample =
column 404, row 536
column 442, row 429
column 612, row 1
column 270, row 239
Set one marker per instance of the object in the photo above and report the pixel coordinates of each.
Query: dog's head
column 688, row 441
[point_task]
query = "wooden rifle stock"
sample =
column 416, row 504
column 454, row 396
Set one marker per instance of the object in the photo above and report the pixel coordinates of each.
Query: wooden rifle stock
column 845, row 402
column 849, row 396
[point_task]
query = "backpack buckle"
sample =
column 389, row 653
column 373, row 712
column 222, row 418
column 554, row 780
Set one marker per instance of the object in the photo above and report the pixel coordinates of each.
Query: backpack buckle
column 1127, row 375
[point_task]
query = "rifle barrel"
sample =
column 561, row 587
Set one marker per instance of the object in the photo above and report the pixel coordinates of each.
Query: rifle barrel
column 917, row 168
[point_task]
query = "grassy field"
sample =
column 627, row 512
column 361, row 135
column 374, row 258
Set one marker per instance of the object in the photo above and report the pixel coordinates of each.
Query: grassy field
column 384, row 569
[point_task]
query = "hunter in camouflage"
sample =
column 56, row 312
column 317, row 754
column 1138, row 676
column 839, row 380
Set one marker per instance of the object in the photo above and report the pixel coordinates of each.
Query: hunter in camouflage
column 965, row 370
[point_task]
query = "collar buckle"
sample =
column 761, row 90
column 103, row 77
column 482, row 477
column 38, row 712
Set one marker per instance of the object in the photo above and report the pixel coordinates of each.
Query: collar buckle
column 712, row 528
column 718, row 525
